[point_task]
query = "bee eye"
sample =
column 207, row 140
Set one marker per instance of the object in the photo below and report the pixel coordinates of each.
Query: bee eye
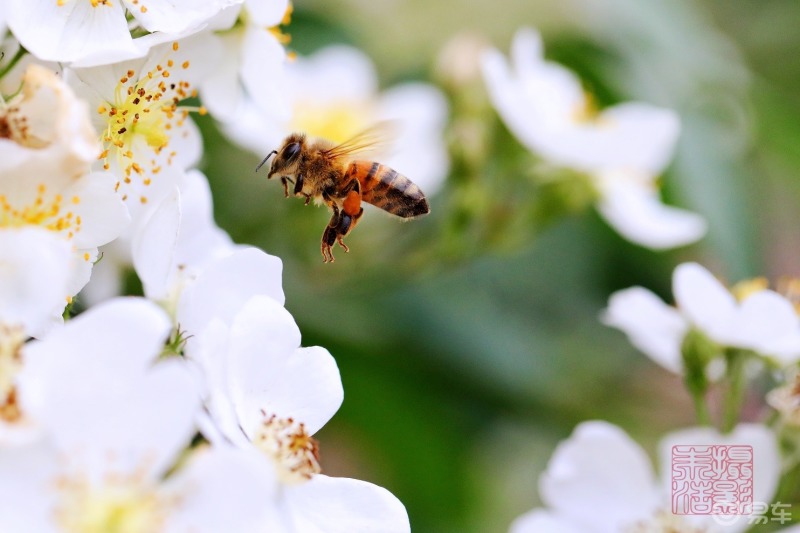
column 291, row 151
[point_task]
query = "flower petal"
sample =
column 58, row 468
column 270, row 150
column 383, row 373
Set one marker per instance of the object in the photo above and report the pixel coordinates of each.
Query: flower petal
column 224, row 489
column 97, row 351
column 153, row 246
column 333, row 74
column 541, row 521
column 201, row 240
column 704, row 301
column 269, row 372
column 651, row 325
column 632, row 136
column 27, row 498
column 342, row 505
column 266, row 13
column 767, row 323
column 262, row 71
column 176, row 16
column 70, row 31
column 224, row 286
column 634, row 209
column 607, row 472
column 34, row 276
column 142, row 426
column 419, row 152
column 102, row 212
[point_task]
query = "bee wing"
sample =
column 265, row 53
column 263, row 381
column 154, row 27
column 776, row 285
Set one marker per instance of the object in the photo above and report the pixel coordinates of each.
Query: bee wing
column 373, row 141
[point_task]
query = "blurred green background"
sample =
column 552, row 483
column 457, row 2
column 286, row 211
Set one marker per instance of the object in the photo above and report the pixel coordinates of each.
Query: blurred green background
column 468, row 341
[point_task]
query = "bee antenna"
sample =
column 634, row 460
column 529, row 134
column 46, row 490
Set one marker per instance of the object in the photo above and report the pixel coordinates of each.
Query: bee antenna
column 265, row 159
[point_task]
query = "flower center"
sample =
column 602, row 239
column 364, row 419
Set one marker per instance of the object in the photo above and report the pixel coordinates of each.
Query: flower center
column 140, row 120
column 120, row 504
column 664, row 522
column 337, row 121
column 286, row 441
column 45, row 210
column 11, row 340
column 586, row 112
column 14, row 126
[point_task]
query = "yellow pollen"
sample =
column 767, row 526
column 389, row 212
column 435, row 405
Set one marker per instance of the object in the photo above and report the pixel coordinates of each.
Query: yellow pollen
column 280, row 36
column 175, row 46
column 43, row 211
column 286, row 441
column 742, row 290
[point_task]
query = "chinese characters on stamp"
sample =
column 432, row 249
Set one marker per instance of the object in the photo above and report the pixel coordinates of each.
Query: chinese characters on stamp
column 712, row 479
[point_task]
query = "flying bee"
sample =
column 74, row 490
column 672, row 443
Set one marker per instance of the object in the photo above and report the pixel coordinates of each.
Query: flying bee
column 331, row 174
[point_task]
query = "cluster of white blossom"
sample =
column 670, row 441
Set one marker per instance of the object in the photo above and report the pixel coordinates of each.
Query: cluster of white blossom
column 193, row 408
column 621, row 150
column 716, row 338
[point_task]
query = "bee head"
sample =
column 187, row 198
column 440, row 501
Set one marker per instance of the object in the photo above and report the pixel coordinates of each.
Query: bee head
column 287, row 156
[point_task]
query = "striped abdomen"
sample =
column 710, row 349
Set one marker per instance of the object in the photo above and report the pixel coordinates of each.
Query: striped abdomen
column 386, row 188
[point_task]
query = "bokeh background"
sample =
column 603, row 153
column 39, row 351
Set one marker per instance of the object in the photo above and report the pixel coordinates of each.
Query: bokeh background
column 468, row 341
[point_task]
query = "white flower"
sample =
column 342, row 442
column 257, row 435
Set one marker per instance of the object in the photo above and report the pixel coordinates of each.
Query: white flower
column 148, row 139
column 764, row 321
column 115, row 422
column 601, row 481
column 94, row 32
column 334, row 94
column 623, row 148
column 46, row 147
column 264, row 391
column 254, row 61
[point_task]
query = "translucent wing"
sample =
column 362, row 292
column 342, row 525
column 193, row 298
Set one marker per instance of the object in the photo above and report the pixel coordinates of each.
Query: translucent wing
column 373, row 141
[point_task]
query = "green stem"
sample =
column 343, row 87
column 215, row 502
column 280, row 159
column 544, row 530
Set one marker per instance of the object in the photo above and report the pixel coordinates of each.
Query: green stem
column 14, row 60
column 701, row 410
column 734, row 396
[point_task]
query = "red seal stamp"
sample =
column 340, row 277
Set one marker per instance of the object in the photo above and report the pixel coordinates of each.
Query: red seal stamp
column 712, row 480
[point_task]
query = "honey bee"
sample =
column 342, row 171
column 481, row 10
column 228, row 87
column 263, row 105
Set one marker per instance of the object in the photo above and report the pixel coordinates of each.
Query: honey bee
column 331, row 174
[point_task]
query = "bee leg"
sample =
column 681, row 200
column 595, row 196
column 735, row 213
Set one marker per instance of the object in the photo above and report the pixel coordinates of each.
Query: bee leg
column 308, row 199
column 329, row 236
column 298, row 185
column 285, row 183
column 342, row 229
